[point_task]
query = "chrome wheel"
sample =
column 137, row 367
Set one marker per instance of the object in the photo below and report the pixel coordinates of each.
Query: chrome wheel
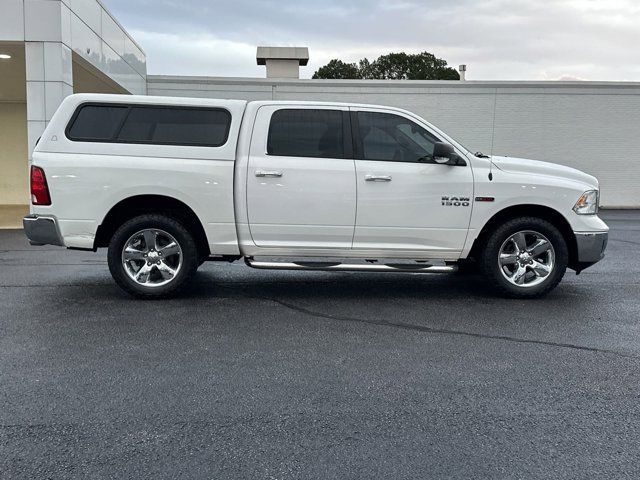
column 526, row 258
column 152, row 257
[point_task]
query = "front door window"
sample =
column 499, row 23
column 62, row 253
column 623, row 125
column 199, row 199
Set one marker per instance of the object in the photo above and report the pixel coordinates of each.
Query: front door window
column 393, row 138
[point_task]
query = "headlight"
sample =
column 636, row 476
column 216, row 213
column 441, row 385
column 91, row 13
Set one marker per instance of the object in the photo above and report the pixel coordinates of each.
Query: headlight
column 587, row 204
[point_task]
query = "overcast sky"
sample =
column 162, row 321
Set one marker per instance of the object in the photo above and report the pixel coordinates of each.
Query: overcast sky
column 497, row 39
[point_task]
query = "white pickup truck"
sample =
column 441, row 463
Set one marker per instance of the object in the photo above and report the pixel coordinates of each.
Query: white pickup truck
column 168, row 183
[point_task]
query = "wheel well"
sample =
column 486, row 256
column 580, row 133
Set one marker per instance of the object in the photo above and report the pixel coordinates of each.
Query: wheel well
column 549, row 214
column 143, row 204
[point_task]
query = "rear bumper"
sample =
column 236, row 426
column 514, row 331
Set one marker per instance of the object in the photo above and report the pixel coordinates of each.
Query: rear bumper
column 591, row 247
column 42, row 230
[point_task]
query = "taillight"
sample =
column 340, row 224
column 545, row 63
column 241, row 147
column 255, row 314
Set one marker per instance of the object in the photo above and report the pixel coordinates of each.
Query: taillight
column 39, row 189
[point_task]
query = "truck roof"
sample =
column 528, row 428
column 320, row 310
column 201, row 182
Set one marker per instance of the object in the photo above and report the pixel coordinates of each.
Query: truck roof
column 198, row 101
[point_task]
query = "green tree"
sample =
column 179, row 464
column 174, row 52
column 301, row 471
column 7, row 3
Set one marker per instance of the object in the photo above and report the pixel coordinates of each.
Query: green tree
column 366, row 69
column 338, row 69
column 394, row 66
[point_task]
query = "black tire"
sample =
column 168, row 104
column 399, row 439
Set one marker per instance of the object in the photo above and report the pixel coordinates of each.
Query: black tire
column 489, row 259
column 189, row 256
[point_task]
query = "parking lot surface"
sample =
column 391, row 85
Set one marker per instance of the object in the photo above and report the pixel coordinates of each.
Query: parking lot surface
column 266, row 374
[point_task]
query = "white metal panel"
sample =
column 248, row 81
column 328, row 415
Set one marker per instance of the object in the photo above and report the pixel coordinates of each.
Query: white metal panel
column 543, row 184
column 55, row 139
column 34, row 61
column 57, row 63
column 87, row 179
column 54, row 93
column 84, row 187
column 65, row 20
column 12, row 21
column 35, row 105
column 42, row 20
column 311, row 205
column 407, row 212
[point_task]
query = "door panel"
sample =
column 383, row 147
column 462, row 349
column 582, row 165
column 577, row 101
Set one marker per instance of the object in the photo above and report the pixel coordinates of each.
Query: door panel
column 407, row 212
column 401, row 194
column 300, row 202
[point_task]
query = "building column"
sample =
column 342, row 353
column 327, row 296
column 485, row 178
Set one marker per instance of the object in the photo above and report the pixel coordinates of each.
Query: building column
column 49, row 75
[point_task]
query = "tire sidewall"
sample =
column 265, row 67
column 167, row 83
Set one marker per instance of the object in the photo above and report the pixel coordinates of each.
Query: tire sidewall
column 495, row 241
column 161, row 222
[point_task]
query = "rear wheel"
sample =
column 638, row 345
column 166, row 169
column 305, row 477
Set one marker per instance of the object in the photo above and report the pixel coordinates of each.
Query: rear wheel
column 525, row 257
column 152, row 256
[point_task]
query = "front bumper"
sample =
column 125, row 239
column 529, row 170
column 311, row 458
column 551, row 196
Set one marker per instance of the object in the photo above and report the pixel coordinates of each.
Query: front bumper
column 591, row 247
column 42, row 230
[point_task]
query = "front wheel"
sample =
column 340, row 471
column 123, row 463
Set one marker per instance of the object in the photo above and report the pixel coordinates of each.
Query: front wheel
column 152, row 256
column 525, row 257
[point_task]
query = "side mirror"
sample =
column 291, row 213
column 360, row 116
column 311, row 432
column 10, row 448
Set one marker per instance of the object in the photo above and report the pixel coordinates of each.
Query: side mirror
column 444, row 154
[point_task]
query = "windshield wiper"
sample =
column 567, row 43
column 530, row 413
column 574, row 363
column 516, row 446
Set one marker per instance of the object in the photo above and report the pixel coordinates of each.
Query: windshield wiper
column 481, row 155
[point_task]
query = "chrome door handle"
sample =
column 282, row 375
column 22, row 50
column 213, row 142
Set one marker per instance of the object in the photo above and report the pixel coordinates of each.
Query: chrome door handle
column 377, row 178
column 268, row 173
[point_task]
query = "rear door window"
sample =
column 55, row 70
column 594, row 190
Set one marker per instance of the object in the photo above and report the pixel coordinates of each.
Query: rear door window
column 315, row 133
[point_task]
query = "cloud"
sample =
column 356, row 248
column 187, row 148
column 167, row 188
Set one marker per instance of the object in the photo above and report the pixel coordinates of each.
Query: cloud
column 564, row 78
column 197, row 54
column 497, row 39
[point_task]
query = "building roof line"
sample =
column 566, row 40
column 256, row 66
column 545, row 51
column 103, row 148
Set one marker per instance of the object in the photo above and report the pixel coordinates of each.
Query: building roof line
column 392, row 83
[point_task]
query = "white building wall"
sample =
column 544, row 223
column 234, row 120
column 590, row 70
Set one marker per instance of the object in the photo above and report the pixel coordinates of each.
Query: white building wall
column 211, row 87
column 83, row 26
column 51, row 30
column 591, row 126
column 86, row 28
column 56, row 35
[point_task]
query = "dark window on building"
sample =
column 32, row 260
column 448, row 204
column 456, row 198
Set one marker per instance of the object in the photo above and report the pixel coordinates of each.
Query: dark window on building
column 97, row 122
column 151, row 125
column 306, row 133
column 394, row 138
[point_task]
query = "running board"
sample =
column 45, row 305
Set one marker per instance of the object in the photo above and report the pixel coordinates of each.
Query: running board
column 346, row 267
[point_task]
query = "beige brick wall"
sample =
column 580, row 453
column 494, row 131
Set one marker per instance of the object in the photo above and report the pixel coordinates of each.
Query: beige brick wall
column 14, row 166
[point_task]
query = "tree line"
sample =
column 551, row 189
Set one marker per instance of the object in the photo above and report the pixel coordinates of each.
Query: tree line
column 394, row 66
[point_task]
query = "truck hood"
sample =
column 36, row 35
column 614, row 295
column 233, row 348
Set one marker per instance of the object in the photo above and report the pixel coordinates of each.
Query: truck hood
column 524, row 166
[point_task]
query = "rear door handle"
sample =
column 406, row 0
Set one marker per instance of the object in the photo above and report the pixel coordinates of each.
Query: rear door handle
column 377, row 178
column 268, row 173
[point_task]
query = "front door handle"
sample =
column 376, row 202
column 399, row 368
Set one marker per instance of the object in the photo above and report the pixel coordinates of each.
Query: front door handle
column 268, row 173
column 377, row 178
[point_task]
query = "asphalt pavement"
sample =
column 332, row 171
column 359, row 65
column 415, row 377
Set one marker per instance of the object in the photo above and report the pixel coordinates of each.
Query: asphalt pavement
column 277, row 375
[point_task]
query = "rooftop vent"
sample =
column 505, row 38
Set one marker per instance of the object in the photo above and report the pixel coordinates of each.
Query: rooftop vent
column 463, row 72
column 282, row 62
